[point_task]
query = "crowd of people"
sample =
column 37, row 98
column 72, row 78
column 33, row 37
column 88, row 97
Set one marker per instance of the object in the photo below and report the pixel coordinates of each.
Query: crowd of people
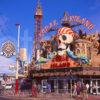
column 79, row 89
column 6, row 83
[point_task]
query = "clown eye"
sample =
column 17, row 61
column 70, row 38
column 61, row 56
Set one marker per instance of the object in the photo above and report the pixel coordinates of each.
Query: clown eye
column 64, row 37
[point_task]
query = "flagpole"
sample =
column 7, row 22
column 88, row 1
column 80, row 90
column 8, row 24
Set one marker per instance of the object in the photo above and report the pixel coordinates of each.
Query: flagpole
column 17, row 58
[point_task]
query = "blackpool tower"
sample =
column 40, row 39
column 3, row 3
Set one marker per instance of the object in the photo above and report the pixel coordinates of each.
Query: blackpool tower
column 38, row 29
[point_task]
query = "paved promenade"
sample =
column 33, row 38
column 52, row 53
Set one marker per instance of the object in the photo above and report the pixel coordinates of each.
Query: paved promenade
column 48, row 97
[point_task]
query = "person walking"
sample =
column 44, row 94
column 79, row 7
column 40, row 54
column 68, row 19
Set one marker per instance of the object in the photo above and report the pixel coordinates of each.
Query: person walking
column 74, row 90
column 34, row 89
column 87, row 87
column 0, row 88
column 78, row 89
column 49, row 87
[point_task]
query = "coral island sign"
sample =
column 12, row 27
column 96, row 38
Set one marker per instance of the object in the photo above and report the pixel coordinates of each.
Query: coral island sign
column 83, row 21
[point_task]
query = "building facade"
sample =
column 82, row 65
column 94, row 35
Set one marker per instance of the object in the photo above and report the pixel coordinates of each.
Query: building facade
column 60, row 65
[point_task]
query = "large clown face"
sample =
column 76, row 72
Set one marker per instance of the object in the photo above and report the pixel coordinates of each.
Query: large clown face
column 64, row 40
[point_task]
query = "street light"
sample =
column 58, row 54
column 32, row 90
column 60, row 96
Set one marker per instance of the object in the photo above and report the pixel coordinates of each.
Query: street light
column 17, row 58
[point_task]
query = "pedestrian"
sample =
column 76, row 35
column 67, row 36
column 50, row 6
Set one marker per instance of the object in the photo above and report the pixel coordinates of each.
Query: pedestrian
column 34, row 89
column 49, row 88
column 39, row 88
column 74, row 90
column 94, row 88
column 78, row 89
column 22, row 86
column 0, row 88
column 87, row 87
column 84, row 91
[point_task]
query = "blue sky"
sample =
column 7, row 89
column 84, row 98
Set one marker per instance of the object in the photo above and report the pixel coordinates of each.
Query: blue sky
column 22, row 11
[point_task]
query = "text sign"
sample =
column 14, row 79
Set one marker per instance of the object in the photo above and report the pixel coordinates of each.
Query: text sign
column 47, row 28
column 83, row 21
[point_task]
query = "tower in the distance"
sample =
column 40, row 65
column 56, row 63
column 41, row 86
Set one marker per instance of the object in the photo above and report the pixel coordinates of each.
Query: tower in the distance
column 38, row 29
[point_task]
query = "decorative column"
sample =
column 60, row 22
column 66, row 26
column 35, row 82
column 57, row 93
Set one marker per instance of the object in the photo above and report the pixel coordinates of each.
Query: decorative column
column 65, row 86
column 71, row 87
column 56, row 86
column 96, row 86
column 91, row 86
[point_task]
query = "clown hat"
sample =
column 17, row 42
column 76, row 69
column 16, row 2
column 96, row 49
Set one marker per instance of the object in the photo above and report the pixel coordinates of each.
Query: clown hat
column 65, row 30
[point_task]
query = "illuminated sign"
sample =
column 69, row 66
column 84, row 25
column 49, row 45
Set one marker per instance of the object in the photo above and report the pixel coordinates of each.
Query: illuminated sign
column 8, row 49
column 84, row 21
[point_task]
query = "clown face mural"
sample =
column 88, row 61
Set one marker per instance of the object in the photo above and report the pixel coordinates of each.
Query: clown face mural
column 66, row 36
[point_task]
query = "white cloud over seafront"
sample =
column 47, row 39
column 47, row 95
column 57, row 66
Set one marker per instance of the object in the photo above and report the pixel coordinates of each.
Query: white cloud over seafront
column 4, row 65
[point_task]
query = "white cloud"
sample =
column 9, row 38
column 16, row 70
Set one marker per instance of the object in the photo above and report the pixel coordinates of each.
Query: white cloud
column 5, row 63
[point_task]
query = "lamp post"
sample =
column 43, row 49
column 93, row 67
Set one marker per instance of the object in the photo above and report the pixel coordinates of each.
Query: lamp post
column 17, row 58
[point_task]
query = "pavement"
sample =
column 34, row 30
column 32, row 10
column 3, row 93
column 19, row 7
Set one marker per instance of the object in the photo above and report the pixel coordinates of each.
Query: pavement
column 48, row 97
column 94, row 97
